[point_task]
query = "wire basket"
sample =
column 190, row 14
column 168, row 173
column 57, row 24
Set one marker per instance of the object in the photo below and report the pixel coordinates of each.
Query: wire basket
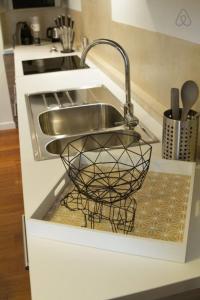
column 106, row 169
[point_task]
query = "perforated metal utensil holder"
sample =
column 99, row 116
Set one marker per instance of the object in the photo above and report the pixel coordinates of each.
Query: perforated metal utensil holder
column 179, row 140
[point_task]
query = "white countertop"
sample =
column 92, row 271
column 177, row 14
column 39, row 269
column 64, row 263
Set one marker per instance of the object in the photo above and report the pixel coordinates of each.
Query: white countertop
column 38, row 178
column 60, row 271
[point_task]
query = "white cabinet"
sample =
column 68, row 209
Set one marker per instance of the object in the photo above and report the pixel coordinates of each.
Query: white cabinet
column 6, row 119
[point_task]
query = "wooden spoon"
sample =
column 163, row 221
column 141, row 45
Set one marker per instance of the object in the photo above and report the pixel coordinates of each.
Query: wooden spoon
column 189, row 95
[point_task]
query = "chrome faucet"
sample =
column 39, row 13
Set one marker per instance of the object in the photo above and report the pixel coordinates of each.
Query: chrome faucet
column 128, row 106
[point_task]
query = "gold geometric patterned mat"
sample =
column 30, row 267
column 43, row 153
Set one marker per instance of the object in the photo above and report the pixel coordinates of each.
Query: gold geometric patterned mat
column 161, row 209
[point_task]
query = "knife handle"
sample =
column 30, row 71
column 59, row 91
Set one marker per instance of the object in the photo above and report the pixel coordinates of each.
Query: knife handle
column 175, row 103
column 63, row 20
column 68, row 21
column 56, row 22
column 72, row 24
column 60, row 21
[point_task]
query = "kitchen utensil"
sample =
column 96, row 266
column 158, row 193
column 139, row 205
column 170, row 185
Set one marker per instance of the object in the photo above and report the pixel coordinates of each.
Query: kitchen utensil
column 68, row 21
column 179, row 140
column 35, row 28
column 53, row 34
column 72, row 39
column 175, row 103
column 60, row 21
column 67, row 33
column 54, row 49
column 189, row 95
column 56, row 22
column 63, row 20
column 23, row 34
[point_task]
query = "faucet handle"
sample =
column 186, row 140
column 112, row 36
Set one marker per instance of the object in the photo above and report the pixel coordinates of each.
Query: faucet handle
column 129, row 118
column 128, row 109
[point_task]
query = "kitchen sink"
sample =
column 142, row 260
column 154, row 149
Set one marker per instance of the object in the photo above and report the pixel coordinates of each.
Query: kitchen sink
column 58, row 146
column 56, row 118
column 79, row 119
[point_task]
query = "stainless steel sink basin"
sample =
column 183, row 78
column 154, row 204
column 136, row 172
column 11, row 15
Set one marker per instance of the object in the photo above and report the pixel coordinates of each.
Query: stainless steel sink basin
column 56, row 118
column 58, row 146
column 79, row 119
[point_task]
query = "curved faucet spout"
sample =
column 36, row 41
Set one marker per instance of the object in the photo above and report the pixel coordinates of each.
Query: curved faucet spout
column 128, row 107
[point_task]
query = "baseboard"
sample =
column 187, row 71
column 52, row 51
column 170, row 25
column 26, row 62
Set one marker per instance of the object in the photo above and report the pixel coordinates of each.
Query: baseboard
column 7, row 125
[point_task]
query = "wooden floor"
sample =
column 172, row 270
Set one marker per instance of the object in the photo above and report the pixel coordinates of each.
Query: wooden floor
column 14, row 279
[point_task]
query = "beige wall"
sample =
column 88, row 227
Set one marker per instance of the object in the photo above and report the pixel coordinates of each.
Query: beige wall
column 158, row 62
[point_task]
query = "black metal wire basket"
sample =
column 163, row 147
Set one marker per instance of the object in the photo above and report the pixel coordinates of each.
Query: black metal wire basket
column 106, row 169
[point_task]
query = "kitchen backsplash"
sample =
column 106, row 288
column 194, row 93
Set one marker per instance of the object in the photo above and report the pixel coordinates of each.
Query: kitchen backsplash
column 158, row 61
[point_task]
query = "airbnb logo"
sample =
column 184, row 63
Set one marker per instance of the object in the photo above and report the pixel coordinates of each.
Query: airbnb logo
column 183, row 19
